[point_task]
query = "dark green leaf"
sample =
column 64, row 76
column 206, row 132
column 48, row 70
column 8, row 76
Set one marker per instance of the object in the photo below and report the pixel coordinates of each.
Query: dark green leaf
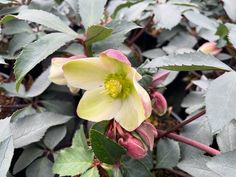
column 105, row 149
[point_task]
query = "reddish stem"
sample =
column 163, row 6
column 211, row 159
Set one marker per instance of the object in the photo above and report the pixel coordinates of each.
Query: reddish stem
column 185, row 122
column 190, row 142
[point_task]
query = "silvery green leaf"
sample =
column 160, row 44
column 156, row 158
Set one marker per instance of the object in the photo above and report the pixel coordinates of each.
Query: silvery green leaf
column 198, row 130
column 29, row 154
column 201, row 20
column 232, row 36
column 154, row 53
column 91, row 11
column 226, row 139
column 32, row 128
column 183, row 40
column 6, row 154
column 45, row 5
column 188, row 62
column 16, row 26
column 164, row 18
column 19, row 41
column 224, row 164
column 53, row 136
column 168, row 153
column 219, row 101
column 75, row 49
column 208, row 34
column 5, row 131
column 40, row 168
column 35, row 52
column 21, row 113
column 230, row 6
column 197, row 167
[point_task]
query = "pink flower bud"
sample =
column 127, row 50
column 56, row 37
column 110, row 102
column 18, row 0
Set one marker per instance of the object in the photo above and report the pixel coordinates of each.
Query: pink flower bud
column 135, row 148
column 116, row 54
column 210, row 48
column 159, row 103
column 148, row 133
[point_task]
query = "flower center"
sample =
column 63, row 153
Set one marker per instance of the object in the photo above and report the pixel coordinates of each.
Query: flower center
column 117, row 86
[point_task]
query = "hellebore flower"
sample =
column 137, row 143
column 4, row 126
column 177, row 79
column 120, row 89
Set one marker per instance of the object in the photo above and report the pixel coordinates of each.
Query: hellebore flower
column 160, row 103
column 112, row 89
column 210, row 48
column 148, row 133
column 56, row 74
column 135, row 148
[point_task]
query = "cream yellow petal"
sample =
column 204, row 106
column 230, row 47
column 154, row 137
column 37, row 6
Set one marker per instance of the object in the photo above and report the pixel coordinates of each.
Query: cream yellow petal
column 131, row 113
column 96, row 106
column 88, row 73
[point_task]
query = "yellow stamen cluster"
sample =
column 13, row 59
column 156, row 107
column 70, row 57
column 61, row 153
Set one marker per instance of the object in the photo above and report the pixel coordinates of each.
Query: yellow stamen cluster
column 113, row 87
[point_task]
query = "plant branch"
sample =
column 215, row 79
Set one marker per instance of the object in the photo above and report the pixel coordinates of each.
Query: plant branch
column 141, row 31
column 190, row 142
column 185, row 122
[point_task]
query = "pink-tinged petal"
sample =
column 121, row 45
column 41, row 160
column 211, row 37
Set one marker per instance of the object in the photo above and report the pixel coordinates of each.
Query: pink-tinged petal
column 159, row 77
column 96, row 105
column 116, row 54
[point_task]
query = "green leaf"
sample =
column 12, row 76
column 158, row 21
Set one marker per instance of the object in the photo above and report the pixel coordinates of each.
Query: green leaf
column 29, row 154
column 197, row 166
column 21, row 113
column 73, row 161
column 101, row 126
column 222, row 30
column 53, row 136
column 6, row 153
column 16, row 26
column 97, row 33
column 44, row 18
column 168, row 153
column 93, row 172
column 188, row 62
column 220, row 98
column 132, row 168
column 32, row 128
column 226, row 139
column 79, row 139
column 164, row 18
column 224, row 164
column 105, row 149
column 34, row 53
column 40, row 168
column 91, row 11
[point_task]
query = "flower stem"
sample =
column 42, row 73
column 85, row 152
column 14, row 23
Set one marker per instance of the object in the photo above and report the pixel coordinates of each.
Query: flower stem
column 190, row 142
column 185, row 122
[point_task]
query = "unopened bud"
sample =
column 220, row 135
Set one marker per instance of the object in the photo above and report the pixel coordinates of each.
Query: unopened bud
column 159, row 77
column 210, row 48
column 135, row 148
column 160, row 103
column 148, row 133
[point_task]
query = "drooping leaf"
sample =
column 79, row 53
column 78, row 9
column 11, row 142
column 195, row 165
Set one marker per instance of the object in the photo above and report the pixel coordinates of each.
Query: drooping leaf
column 97, row 33
column 105, row 149
column 232, row 36
column 44, row 18
column 32, row 128
column 6, row 153
column 40, row 168
column 15, row 27
column 36, row 52
column 197, row 166
column 29, row 154
column 168, row 153
column 224, row 164
column 188, row 62
column 91, row 11
column 93, row 172
column 5, row 131
column 73, row 161
column 226, row 139
column 220, row 98
column 164, row 18
column 53, row 136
